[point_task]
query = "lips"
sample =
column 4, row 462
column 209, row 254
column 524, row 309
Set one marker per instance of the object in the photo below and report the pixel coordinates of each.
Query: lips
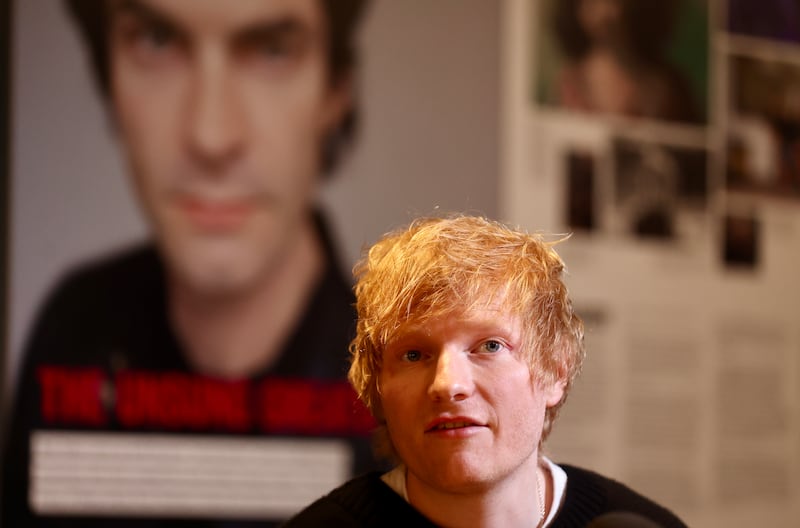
column 451, row 424
column 216, row 216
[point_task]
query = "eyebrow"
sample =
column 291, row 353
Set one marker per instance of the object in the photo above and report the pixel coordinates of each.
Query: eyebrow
column 279, row 26
column 282, row 26
column 141, row 9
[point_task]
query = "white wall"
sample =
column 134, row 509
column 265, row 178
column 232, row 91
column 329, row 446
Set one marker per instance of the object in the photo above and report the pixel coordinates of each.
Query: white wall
column 429, row 139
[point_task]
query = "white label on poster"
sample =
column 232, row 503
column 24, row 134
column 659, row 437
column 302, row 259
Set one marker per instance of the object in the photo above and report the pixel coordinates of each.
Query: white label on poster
column 147, row 475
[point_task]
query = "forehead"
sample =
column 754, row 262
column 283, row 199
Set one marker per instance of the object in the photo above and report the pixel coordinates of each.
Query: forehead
column 215, row 18
column 484, row 317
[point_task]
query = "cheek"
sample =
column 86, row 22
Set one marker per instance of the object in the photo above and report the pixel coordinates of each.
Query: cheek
column 397, row 401
column 390, row 405
column 285, row 140
column 291, row 111
column 147, row 104
column 401, row 423
column 525, row 401
column 148, row 134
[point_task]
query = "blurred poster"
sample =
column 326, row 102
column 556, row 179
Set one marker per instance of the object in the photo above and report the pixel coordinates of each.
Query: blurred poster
column 113, row 365
column 5, row 125
column 624, row 57
column 666, row 136
column 581, row 175
column 740, row 247
column 772, row 19
column 763, row 146
column 655, row 183
column 755, row 414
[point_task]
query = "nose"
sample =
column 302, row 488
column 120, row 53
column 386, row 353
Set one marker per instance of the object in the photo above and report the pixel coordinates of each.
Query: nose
column 214, row 117
column 452, row 377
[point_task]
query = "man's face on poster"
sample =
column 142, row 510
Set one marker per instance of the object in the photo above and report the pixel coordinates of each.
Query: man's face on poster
column 222, row 108
column 600, row 19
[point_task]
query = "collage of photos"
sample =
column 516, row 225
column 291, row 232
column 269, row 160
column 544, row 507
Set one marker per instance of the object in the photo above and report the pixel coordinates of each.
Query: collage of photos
column 701, row 103
column 763, row 149
column 666, row 136
column 635, row 187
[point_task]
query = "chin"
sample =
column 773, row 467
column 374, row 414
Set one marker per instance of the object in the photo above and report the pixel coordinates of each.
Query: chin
column 223, row 274
column 463, row 484
column 216, row 283
column 459, row 475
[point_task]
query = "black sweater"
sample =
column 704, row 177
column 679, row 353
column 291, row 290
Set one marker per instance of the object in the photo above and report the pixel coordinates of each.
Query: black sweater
column 367, row 501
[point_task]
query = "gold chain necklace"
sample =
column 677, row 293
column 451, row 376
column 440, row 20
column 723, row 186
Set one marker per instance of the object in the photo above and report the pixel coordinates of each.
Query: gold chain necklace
column 540, row 493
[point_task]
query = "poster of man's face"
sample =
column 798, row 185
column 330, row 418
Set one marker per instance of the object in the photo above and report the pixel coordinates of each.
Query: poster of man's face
column 176, row 231
column 82, row 189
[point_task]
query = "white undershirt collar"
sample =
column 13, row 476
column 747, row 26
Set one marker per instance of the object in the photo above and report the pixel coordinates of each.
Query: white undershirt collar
column 396, row 479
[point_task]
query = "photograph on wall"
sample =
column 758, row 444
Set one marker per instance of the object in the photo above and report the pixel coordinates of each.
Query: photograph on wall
column 655, row 185
column 769, row 19
column 581, row 190
column 624, row 58
column 740, row 241
column 763, row 144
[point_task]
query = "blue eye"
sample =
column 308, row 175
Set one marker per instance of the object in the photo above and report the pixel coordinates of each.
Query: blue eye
column 412, row 355
column 492, row 346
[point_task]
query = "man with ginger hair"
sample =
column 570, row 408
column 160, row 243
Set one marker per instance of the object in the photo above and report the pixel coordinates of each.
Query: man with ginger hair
column 467, row 345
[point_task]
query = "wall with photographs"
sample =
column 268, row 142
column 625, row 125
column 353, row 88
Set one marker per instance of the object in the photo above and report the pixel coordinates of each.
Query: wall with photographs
column 71, row 198
column 663, row 136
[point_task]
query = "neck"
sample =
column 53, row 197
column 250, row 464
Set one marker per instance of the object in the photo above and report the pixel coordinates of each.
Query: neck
column 243, row 333
column 514, row 502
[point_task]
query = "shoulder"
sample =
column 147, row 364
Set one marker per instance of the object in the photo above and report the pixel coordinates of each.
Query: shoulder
column 335, row 288
column 364, row 501
column 590, row 495
column 128, row 270
column 318, row 345
column 334, row 509
column 125, row 269
column 93, row 295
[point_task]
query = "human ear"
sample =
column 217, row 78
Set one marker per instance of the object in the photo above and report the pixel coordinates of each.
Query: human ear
column 554, row 392
column 338, row 101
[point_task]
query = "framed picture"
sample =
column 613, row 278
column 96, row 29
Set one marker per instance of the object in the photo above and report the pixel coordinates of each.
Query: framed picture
column 624, row 57
column 763, row 136
column 769, row 19
column 655, row 184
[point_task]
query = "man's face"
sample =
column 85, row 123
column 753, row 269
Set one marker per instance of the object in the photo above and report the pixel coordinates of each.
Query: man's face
column 461, row 407
column 222, row 108
column 600, row 19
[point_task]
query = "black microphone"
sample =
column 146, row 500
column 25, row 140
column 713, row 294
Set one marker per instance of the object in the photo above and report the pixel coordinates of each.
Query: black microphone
column 622, row 519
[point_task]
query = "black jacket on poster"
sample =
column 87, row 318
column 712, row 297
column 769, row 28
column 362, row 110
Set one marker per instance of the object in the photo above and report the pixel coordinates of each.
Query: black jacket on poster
column 107, row 321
